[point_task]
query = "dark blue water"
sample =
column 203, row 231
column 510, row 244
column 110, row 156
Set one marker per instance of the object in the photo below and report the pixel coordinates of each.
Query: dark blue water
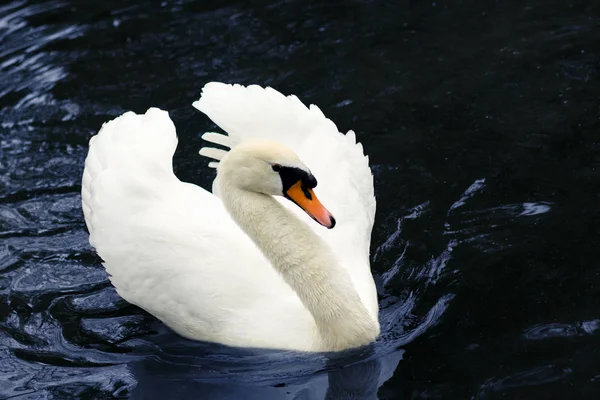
column 481, row 119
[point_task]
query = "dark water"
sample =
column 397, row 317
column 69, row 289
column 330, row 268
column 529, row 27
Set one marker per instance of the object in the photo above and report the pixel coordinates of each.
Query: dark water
column 481, row 119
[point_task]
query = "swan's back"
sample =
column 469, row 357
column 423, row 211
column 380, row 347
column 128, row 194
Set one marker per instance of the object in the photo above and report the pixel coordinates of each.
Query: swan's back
column 172, row 249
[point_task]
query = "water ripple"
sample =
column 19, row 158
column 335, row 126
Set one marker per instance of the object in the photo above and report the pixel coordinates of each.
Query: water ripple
column 557, row 330
column 480, row 186
column 535, row 376
column 28, row 68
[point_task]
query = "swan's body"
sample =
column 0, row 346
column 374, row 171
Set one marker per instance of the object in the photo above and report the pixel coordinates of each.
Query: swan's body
column 242, row 267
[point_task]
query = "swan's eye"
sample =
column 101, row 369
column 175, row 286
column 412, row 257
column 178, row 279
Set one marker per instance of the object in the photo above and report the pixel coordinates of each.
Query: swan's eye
column 276, row 167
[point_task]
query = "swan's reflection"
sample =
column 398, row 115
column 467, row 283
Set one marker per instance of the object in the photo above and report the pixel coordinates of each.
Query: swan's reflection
column 190, row 370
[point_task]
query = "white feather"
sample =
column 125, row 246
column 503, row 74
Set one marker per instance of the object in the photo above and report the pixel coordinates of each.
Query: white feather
column 218, row 138
column 211, row 152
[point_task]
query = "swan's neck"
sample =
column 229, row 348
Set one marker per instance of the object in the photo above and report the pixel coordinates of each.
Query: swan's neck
column 307, row 264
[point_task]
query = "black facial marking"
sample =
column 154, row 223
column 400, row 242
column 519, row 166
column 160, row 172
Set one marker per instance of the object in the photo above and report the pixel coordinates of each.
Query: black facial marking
column 311, row 181
column 291, row 175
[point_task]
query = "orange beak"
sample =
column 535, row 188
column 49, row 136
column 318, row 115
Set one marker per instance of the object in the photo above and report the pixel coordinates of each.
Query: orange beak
column 306, row 199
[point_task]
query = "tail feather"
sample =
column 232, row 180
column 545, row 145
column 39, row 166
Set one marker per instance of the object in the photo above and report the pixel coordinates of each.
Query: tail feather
column 214, row 153
column 218, row 138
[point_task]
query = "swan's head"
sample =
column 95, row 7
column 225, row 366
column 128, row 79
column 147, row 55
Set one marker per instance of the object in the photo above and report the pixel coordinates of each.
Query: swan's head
column 270, row 168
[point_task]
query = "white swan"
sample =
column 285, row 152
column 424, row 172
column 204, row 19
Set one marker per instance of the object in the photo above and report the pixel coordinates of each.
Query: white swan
column 241, row 267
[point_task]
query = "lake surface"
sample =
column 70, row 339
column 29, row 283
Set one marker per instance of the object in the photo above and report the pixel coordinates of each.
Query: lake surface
column 481, row 120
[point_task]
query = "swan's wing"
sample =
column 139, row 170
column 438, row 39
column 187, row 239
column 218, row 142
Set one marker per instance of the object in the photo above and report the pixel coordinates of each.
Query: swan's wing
column 142, row 146
column 337, row 161
column 169, row 246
